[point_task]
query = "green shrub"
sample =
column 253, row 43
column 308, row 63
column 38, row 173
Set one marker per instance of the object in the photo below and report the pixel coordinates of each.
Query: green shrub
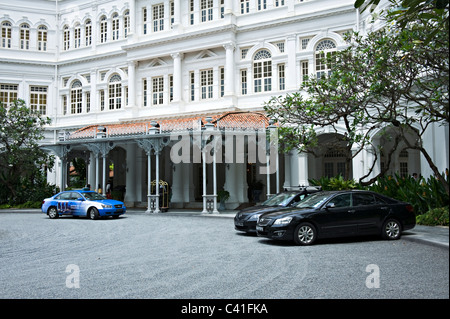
column 434, row 217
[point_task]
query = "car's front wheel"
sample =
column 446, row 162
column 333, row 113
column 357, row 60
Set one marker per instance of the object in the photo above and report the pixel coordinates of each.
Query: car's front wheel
column 305, row 234
column 52, row 213
column 93, row 213
column 391, row 230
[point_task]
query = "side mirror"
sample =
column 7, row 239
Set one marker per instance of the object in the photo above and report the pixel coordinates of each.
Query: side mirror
column 81, row 199
column 329, row 205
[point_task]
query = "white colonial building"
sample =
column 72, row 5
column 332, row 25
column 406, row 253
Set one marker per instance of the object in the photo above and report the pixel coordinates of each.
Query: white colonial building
column 119, row 77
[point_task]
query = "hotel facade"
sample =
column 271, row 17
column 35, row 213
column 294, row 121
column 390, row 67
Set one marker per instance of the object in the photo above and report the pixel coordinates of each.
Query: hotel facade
column 125, row 81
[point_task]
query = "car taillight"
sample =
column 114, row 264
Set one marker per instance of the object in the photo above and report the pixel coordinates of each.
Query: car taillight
column 410, row 208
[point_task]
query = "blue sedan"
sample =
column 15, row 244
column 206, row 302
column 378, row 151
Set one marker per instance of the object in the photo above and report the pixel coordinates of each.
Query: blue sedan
column 82, row 203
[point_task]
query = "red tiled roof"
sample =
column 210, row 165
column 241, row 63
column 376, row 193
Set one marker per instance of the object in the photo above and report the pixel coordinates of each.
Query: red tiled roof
column 228, row 120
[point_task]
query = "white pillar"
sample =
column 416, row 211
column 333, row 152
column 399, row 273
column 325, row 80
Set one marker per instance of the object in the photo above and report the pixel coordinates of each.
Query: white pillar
column 149, row 180
column 204, row 182
column 291, row 68
column 157, row 182
column 229, row 69
column 177, row 81
column 131, row 83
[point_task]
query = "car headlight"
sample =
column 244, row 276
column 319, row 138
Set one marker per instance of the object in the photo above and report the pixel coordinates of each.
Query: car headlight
column 254, row 217
column 283, row 221
column 106, row 206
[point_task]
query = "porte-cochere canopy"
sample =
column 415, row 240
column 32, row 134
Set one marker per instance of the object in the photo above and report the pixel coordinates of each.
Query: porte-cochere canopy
column 225, row 121
column 98, row 142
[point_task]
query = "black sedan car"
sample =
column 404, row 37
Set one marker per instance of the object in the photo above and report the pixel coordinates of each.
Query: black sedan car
column 338, row 214
column 245, row 220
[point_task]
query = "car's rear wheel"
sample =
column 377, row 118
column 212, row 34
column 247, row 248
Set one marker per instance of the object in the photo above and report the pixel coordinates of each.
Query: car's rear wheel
column 93, row 213
column 391, row 229
column 52, row 213
column 305, row 234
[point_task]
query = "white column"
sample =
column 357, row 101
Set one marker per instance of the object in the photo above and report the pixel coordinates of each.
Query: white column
column 177, row 14
column 204, row 182
column 229, row 69
column 130, row 175
column 177, row 81
column 131, row 83
column 149, row 180
column 291, row 68
column 157, row 182
column 303, row 169
column 105, row 170
column 215, row 183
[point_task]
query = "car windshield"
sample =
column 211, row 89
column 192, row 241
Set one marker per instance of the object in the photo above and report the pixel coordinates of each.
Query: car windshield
column 313, row 201
column 279, row 200
column 93, row 196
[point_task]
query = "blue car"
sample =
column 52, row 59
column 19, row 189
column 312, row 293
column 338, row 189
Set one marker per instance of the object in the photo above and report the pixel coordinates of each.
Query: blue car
column 82, row 203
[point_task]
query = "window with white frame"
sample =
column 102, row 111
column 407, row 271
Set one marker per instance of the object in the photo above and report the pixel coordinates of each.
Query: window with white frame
column 144, row 92
column 281, row 77
column 77, row 35
column 244, row 81
column 324, row 51
column 88, row 33
column 191, row 12
column 279, row 3
column 42, row 38
column 103, row 29
column 144, row 20
column 6, row 35
column 172, row 13
column 8, row 93
column 170, row 88
column 222, row 81
column 262, row 71
column 192, row 86
column 206, row 10
column 76, row 97
column 115, row 26
column 206, row 84
column 38, row 99
column 305, row 71
column 66, row 38
column 115, row 92
column 262, row 5
column 126, row 24
column 245, row 6
column 158, row 17
column 157, row 90
column 24, row 36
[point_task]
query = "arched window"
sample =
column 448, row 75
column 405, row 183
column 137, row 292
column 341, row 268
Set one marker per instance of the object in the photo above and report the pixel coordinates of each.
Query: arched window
column 324, row 50
column 115, row 92
column 115, row 26
column 103, row 29
column 66, row 38
column 42, row 38
column 77, row 35
column 262, row 71
column 76, row 97
column 126, row 23
column 88, row 32
column 24, row 36
column 6, row 35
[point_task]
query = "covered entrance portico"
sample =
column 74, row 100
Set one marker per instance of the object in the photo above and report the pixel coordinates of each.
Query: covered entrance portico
column 197, row 156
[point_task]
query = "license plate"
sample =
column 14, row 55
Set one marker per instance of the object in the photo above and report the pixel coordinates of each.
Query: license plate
column 259, row 228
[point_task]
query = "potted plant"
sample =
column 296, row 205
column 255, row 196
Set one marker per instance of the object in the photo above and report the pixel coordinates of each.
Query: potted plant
column 223, row 196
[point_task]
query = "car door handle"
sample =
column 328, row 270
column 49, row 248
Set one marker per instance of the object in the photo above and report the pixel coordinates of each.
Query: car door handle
column 384, row 208
column 351, row 211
